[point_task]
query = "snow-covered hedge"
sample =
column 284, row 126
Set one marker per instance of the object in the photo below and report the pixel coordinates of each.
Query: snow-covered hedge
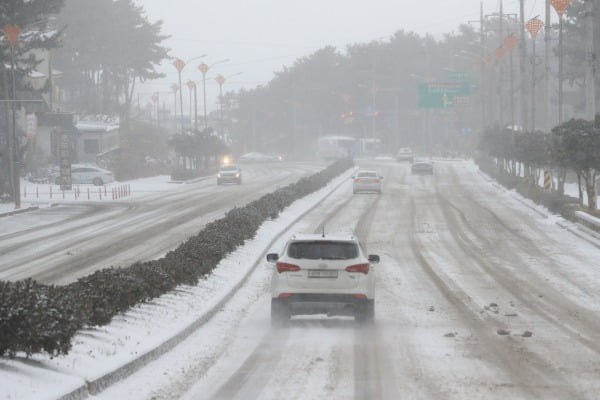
column 40, row 318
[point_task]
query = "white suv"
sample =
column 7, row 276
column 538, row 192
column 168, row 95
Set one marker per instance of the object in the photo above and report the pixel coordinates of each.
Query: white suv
column 322, row 274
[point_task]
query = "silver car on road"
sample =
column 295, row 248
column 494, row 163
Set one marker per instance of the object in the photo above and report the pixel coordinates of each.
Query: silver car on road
column 366, row 181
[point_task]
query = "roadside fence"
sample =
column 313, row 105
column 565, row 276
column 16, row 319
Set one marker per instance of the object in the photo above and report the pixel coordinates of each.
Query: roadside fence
column 77, row 193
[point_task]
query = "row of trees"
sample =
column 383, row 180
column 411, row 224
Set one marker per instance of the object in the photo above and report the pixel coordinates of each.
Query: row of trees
column 32, row 18
column 107, row 46
column 376, row 81
column 102, row 49
column 308, row 98
column 573, row 145
column 197, row 151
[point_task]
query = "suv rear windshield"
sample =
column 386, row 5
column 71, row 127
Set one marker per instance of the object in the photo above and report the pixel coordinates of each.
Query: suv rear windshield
column 323, row 250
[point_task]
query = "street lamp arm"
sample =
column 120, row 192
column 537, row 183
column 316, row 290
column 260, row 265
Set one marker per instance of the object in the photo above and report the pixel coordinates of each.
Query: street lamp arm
column 219, row 62
column 195, row 58
column 232, row 75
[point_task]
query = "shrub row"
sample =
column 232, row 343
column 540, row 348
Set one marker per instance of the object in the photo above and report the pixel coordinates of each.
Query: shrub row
column 37, row 318
column 556, row 203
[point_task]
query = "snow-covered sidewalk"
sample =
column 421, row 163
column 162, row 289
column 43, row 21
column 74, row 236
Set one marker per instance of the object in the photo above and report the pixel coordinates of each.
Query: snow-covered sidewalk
column 44, row 195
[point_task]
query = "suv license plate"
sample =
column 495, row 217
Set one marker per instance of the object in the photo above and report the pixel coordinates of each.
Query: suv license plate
column 319, row 273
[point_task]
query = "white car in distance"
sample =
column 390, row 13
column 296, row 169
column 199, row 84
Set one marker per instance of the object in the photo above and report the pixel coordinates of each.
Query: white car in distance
column 366, row 181
column 88, row 174
column 322, row 274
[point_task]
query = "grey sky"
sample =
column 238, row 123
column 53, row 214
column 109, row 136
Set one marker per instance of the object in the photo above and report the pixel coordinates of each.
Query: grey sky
column 261, row 36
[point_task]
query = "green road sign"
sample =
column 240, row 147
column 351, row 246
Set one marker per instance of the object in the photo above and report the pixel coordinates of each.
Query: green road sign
column 460, row 76
column 441, row 94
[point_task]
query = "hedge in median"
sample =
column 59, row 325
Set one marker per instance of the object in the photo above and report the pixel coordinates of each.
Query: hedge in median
column 37, row 318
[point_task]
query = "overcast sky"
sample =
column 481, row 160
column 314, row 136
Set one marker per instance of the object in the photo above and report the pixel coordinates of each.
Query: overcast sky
column 261, row 36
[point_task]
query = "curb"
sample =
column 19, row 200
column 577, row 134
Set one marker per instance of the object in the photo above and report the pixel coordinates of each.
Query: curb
column 200, row 179
column 579, row 230
column 585, row 234
column 19, row 211
column 98, row 385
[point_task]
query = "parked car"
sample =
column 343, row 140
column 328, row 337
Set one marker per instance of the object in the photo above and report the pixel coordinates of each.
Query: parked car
column 88, row 173
column 422, row 167
column 366, row 181
column 230, row 173
column 259, row 157
column 322, row 274
column 404, row 154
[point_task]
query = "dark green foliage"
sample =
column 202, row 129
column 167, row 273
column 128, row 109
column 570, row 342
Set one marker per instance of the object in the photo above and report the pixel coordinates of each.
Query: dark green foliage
column 108, row 46
column 37, row 318
column 31, row 16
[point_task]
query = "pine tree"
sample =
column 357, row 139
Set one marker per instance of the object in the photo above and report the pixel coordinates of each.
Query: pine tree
column 33, row 18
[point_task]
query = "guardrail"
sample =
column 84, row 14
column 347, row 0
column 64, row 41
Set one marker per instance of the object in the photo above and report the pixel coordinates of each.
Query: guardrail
column 588, row 218
column 76, row 193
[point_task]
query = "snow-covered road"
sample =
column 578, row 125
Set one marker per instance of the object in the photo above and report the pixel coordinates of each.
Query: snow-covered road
column 73, row 239
column 478, row 297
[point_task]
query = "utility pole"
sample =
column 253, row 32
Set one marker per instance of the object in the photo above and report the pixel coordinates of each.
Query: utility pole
column 483, row 72
column 501, row 79
column 500, row 52
column 482, row 84
column 533, row 26
column 560, row 7
column 12, row 32
column 522, row 66
column 590, row 89
column 547, row 39
column 509, row 43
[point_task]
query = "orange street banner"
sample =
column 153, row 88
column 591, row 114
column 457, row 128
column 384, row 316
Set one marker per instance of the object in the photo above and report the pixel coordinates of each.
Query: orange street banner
column 560, row 6
column 203, row 68
column 533, row 26
column 179, row 64
column 511, row 41
column 500, row 51
column 12, row 33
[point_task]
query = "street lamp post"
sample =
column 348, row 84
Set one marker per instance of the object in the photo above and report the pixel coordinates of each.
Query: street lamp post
column 560, row 6
column 179, row 65
column 221, row 80
column 192, row 86
column 12, row 33
column 204, row 70
column 175, row 88
column 510, row 42
column 156, row 101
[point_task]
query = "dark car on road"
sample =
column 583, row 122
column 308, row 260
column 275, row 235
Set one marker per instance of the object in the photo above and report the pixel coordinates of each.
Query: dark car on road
column 422, row 167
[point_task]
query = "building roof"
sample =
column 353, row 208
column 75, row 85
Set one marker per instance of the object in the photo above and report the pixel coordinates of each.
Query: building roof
column 95, row 127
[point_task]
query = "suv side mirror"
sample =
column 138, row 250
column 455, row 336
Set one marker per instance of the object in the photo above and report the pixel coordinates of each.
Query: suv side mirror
column 272, row 257
column 373, row 258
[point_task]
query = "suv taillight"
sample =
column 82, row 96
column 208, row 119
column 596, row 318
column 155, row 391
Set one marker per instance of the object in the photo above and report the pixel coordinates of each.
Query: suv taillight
column 357, row 181
column 285, row 267
column 362, row 268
